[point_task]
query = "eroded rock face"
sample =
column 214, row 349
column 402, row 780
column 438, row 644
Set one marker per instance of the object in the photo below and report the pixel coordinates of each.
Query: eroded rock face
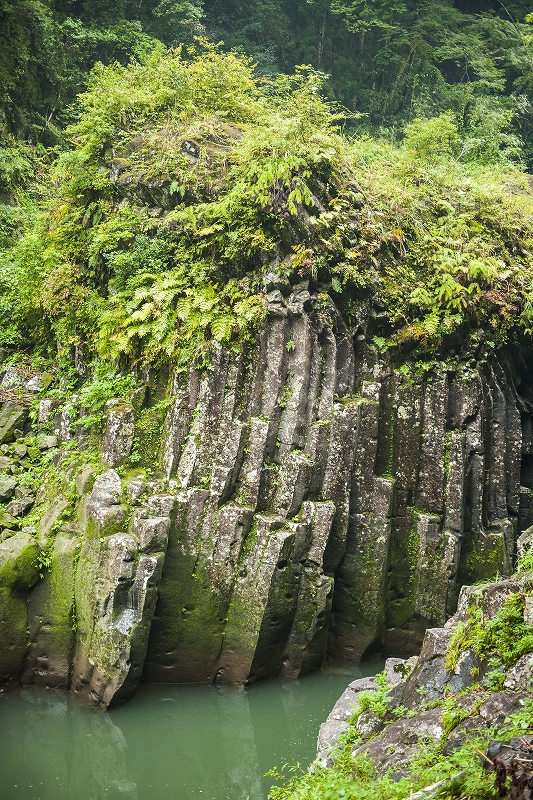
column 116, row 590
column 119, row 432
column 19, row 571
column 314, row 498
column 337, row 722
column 396, row 746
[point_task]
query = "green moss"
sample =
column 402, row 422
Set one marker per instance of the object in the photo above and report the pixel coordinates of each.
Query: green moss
column 149, row 425
column 487, row 559
column 505, row 636
column 19, row 563
column 403, row 560
column 413, row 546
column 19, row 571
column 447, row 450
column 53, row 599
column 248, row 544
column 188, row 626
column 243, row 626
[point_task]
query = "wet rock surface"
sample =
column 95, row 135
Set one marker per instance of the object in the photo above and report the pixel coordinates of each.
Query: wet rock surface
column 337, row 721
column 396, row 746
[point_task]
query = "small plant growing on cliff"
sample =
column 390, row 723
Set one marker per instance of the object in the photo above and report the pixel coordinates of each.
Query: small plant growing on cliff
column 495, row 677
column 375, row 701
column 525, row 564
column 44, row 561
column 505, row 636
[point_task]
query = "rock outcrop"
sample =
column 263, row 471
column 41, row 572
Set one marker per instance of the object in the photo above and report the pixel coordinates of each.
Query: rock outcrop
column 465, row 686
column 311, row 497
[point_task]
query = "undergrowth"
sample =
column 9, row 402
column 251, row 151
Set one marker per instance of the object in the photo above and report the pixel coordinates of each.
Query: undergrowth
column 506, row 636
column 188, row 178
column 353, row 777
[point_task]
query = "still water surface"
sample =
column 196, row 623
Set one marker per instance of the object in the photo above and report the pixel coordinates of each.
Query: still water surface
column 169, row 743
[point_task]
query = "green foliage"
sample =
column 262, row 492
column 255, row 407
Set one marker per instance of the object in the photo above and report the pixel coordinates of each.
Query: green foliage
column 387, row 60
column 167, row 316
column 432, row 139
column 452, row 716
column 161, row 86
column 516, row 724
column 506, row 637
column 353, row 777
column 525, row 564
column 454, row 238
column 394, row 60
column 44, row 560
column 495, row 677
column 375, row 701
column 104, row 384
column 187, row 177
column 110, row 269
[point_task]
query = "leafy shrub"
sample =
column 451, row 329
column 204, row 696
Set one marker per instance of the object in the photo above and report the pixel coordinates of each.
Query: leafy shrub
column 443, row 244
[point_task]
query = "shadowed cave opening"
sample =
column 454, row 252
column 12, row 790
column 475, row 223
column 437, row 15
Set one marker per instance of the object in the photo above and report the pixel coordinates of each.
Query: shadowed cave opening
column 526, row 471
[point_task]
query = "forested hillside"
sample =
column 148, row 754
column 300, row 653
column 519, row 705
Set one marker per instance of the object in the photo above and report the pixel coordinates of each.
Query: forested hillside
column 449, row 83
column 386, row 60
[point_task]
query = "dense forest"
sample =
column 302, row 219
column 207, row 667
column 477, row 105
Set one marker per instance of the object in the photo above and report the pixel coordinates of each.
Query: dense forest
column 386, row 61
column 449, row 82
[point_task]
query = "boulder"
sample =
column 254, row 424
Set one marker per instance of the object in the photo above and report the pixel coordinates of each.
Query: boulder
column 11, row 378
column 104, row 510
column 500, row 706
column 19, row 451
column 46, row 442
column 12, row 418
column 6, row 463
column 524, row 543
column 18, row 508
column 7, row 487
column 368, row 724
column 396, row 746
column 119, row 432
column 337, row 721
column 7, row 520
column 520, row 677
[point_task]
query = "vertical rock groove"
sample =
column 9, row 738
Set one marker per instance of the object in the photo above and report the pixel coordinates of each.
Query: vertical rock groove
column 316, row 498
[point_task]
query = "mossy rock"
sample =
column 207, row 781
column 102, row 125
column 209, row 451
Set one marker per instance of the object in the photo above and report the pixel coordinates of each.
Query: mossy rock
column 12, row 417
column 19, row 571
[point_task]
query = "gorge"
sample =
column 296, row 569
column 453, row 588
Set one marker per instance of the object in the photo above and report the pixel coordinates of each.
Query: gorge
column 266, row 398
column 313, row 501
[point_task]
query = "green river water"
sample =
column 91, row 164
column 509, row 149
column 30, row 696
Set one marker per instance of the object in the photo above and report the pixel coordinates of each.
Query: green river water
column 169, row 743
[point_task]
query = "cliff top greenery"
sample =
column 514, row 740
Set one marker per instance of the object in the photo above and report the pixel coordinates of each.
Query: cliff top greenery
column 389, row 60
column 188, row 178
column 139, row 218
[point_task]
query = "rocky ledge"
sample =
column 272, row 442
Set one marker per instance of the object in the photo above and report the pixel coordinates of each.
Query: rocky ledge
column 471, row 685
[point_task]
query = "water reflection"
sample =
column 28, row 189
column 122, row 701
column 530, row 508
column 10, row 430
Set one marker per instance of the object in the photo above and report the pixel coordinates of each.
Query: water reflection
column 170, row 743
column 54, row 748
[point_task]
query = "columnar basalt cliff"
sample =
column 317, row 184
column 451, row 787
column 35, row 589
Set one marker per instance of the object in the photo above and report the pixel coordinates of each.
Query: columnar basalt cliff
column 309, row 497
